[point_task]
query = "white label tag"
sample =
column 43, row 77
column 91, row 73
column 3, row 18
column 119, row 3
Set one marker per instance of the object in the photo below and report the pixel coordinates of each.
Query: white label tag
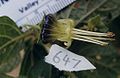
column 66, row 60
column 30, row 11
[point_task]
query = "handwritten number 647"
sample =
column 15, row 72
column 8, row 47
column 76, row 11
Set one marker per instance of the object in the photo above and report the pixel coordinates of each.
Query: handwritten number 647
column 66, row 59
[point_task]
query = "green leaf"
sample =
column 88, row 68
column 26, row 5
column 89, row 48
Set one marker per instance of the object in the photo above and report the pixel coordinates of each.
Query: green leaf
column 10, row 64
column 105, row 58
column 27, row 60
column 33, row 65
column 110, row 10
column 9, row 45
column 96, row 24
column 5, row 76
column 85, row 8
column 39, row 70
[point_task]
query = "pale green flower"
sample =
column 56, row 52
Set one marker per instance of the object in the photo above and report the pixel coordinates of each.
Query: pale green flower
column 64, row 30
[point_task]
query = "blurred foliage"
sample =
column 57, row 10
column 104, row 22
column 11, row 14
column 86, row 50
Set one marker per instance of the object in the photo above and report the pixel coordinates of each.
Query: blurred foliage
column 99, row 15
column 106, row 60
column 85, row 9
column 5, row 76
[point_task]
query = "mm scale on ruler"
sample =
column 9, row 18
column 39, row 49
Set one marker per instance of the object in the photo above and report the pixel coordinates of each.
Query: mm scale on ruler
column 30, row 11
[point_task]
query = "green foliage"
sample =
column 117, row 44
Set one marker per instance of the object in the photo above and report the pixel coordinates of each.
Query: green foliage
column 104, row 58
column 95, row 24
column 9, row 48
column 33, row 65
column 5, row 76
column 85, row 9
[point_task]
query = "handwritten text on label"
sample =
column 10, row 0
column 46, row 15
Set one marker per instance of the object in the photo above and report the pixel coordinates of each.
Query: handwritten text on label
column 66, row 60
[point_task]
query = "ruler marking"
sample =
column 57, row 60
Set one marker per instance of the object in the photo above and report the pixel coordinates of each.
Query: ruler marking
column 60, row 4
column 37, row 19
column 28, row 19
column 37, row 16
column 57, row 6
column 50, row 9
column 47, row 11
column 40, row 16
column 33, row 21
column 65, row 2
column 68, row 1
column 53, row 9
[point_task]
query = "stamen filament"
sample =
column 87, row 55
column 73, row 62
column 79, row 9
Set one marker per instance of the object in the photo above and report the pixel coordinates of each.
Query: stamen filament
column 88, row 39
column 83, row 32
column 100, row 38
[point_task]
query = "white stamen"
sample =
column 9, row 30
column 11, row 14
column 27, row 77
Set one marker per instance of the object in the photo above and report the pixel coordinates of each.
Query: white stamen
column 100, row 38
column 84, row 32
column 88, row 39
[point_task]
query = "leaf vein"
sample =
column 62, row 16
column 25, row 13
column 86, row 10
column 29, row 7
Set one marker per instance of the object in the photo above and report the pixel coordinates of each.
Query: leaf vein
column 5, row 36
column 11, row 27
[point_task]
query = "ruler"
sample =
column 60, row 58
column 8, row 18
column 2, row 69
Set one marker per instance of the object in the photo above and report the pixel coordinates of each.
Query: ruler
column 30, row 11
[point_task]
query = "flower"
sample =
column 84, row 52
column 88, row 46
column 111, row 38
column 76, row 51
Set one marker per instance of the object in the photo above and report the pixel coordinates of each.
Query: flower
column 64, row 30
